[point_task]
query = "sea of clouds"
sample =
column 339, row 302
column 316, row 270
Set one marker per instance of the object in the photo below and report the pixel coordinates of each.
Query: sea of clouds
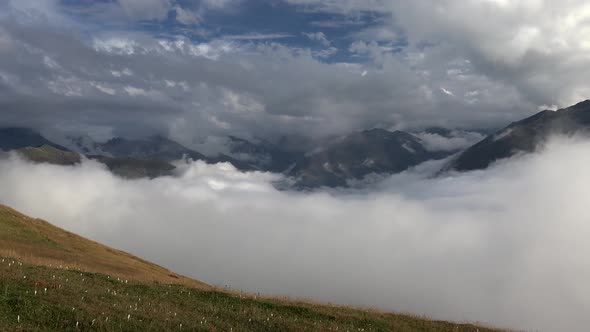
column 508, row 246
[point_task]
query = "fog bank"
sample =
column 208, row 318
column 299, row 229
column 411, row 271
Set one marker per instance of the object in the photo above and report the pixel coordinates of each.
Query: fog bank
column 507, row 246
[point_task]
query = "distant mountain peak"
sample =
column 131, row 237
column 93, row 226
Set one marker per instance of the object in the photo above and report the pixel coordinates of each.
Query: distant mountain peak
column 357, row 155
column 583, row 105
column 375, row 130
column 15, row 138
column 524, row 136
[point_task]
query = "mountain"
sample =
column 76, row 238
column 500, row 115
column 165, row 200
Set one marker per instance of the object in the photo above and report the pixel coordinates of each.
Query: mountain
column 524, row 136
column 130, row 158
column 161, row 149
column 262, row 155
column 154, row 148
column 16, row 138
column 49, row 154
column 82, row 144
column 54, row 280
column 125, row 167
column 136, row 168
column 357, row 155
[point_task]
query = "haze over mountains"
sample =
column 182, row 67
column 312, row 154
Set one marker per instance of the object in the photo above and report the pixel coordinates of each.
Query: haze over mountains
column 525, row 136
column 333, row 162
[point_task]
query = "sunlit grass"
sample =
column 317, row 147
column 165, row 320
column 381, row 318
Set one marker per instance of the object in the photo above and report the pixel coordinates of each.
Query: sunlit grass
column 53, row 280
column 35, row 298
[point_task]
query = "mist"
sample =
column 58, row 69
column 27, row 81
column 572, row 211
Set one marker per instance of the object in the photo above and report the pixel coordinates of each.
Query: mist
column 507, row 246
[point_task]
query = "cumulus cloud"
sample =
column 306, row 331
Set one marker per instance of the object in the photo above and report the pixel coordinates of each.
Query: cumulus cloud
column 507, row 246
column 319, row 37
column 538, row 45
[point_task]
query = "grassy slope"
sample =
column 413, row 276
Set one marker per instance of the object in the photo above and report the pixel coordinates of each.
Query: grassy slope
column 38, row 242
column 130, row 168
column 49, row 154
column 35, row 296
column 134, row 168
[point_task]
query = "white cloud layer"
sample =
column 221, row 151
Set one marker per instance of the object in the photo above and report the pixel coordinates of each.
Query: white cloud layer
column 540, row 47
column 508, row 246
column 456, row 140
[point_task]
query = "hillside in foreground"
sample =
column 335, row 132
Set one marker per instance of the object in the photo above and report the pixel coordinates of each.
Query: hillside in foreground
column 38, row 242
column 53, row 280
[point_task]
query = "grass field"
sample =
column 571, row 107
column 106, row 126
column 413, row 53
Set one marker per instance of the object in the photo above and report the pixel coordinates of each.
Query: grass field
column 53, row 280
column 34, row 298
column 37, row 242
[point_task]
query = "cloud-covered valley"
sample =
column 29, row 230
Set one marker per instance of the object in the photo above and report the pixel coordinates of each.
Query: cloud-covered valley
column 507, row 246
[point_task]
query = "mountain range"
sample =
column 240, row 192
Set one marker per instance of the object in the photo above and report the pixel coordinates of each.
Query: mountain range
column 333, row 162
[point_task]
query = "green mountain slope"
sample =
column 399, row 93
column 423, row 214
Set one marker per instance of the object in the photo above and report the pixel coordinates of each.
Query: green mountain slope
column 49, row 154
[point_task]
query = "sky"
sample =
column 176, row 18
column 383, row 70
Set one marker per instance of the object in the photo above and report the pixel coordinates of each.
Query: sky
column 507, row 246
column 193, row 69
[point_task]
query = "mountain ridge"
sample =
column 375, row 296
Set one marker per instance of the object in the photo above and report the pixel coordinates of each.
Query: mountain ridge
column 333, row 163
column 523, row 136
column 372, row 151
column 388, row 152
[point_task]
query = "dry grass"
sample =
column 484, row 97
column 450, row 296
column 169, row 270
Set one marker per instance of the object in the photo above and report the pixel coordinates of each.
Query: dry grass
column 34, row 298
column 51, row 259
column 37, row 242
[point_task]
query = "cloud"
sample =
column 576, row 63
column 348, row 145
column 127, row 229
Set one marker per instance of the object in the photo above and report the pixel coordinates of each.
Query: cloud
column 339, row 6
column 185, row 16
column 35, row 11
column 535, row 45
column 319, row 37
column 218, row 4
column 328, row 99
column 384, row 32
column 507, row 246
column 447, row 92
column 301, row 90
column 455, row 141
column 146, row 9
column 258, row 36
